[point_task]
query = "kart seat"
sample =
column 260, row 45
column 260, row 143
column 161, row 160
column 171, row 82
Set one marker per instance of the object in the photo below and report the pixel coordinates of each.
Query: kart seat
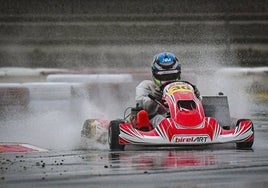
column 143, row 122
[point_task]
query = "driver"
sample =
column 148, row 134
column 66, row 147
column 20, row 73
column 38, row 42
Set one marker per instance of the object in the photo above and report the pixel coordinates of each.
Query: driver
column 165, row 68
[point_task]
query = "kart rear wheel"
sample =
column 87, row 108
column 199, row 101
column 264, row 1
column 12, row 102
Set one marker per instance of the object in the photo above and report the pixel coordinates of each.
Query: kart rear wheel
column 245, row 145
column 113, row 136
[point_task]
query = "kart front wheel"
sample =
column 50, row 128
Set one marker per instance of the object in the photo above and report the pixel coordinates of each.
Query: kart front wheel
column 246, row 144
column 113, row 136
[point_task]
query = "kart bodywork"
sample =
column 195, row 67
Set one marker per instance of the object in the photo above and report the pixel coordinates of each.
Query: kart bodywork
column 189, row 121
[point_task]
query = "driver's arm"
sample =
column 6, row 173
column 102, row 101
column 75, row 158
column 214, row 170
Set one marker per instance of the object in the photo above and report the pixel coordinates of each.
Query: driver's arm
column 142, row 90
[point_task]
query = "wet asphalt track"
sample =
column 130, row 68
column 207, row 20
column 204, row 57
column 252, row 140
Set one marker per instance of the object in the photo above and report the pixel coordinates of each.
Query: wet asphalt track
column 155, row 168
column 211, row 166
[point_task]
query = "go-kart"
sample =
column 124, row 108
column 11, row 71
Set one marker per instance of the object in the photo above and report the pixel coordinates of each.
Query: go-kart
column 188, row 121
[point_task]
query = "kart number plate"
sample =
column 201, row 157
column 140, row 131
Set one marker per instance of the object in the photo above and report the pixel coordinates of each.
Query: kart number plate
column 179, row 88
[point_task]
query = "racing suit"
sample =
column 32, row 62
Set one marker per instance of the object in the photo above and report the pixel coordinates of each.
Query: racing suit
column 146, row 87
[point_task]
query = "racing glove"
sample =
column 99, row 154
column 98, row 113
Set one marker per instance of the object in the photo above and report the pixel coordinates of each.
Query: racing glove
column 157, row 94
column 196, row 91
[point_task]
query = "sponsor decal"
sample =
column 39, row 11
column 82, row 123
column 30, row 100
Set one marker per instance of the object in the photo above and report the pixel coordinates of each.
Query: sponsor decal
column 167, row 59
column 166, row 72
column 191, row 139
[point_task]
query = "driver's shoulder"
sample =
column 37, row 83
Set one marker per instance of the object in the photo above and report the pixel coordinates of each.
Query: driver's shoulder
column 146, row 83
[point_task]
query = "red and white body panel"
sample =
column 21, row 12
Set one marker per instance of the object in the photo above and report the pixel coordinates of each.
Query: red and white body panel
column 168, row 133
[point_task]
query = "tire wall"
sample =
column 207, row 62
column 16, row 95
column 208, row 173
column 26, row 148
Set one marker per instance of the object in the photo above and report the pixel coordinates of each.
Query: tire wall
column 103, row 100
column 99, row 95
column 80, row 97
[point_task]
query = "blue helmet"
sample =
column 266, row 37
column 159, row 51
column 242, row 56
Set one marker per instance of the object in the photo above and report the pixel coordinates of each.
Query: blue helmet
column 165, row 68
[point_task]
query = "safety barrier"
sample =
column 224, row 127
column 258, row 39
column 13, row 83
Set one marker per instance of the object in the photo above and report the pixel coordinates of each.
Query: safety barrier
column 48, row 91
column 90, row 78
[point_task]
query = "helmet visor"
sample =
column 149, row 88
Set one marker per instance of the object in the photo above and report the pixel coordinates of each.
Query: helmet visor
column 167, row 75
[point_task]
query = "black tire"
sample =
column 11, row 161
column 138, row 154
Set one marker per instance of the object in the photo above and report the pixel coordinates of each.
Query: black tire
column 245, row 145
column 113, row 136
